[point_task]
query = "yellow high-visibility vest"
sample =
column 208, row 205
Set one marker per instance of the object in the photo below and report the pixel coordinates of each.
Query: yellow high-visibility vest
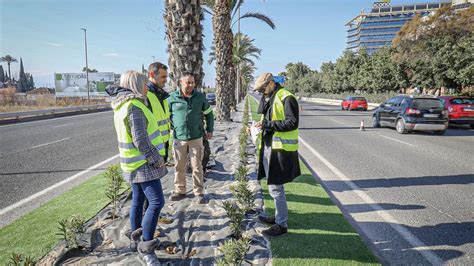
column 130, row 157
column 287, row 141
column 162, row 115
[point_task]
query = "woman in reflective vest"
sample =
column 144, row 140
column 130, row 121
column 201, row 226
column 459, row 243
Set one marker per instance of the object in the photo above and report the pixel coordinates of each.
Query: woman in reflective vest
column 141, row 151
column 277, row 147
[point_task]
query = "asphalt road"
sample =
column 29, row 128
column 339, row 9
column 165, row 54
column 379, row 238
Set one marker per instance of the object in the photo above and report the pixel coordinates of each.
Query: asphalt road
column 410, row 196
column 37, row 155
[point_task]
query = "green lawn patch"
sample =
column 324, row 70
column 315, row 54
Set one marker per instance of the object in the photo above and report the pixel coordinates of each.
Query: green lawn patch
column 318, row 233
column 35, row 233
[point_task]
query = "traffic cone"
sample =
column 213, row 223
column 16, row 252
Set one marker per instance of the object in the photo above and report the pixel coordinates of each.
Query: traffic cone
column 362, row 128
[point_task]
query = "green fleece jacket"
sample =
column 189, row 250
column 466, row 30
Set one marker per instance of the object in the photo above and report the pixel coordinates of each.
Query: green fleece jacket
column 187, row 115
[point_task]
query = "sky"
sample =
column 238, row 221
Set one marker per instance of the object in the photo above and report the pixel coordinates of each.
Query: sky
column 124, row 34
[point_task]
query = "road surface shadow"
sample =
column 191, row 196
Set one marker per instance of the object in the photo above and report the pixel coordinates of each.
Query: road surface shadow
column 340, row 186
column 362, row 208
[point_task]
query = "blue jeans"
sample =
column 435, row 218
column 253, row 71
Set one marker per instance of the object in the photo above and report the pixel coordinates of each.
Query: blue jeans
column 153, row 191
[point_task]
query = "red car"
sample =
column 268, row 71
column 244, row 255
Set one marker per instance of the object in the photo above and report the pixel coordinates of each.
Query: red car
column 460, row 109
column 354, row 102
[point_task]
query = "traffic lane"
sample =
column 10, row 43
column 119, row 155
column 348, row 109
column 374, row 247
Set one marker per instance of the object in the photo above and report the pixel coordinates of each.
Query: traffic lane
column 409, row 178
column 458, row 141
column 24, row 173
column 24, row 136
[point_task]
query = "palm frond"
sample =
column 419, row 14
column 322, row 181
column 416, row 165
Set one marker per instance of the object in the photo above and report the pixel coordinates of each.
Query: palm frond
column 235, row 6
column 258, row 16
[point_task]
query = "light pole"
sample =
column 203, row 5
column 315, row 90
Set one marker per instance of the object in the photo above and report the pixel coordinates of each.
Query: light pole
column 87, row 67
column 153, row 59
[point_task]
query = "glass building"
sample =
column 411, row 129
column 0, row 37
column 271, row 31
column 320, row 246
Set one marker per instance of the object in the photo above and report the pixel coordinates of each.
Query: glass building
column 378, row 26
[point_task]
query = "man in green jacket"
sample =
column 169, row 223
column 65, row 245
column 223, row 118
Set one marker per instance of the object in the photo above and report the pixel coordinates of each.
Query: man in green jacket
column 187, row 106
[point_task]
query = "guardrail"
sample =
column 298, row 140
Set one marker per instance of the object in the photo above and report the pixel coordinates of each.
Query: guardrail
column 12, row 117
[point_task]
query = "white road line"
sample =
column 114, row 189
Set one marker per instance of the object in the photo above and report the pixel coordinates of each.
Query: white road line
column 41, row 145
column 63, row 125
column 339, row 122
column 405, row 233
column 65, row 181
column 409, row 144
column 51, row 119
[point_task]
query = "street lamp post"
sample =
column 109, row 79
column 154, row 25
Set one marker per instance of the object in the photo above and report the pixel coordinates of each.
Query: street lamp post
column 153, row 59
column 87, row 67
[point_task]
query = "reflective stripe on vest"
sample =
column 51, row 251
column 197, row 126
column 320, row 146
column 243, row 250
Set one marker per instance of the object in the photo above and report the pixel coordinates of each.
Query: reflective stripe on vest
column 287, row 141
column 130, row 157
column 162, row 115
column 208, row 110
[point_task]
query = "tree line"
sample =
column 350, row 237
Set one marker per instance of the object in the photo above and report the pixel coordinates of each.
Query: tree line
column 25, row 81
column 432, row 53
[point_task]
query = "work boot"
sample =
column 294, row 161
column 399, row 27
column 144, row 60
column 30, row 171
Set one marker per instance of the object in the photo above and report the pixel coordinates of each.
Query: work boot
column 201, row 199
column 275, row 230
column 146, row 250
column 134, row 237
column 176, row 196
column 267, row 219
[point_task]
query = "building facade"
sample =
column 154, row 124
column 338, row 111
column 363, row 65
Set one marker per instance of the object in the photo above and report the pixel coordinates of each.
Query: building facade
column 378, row 26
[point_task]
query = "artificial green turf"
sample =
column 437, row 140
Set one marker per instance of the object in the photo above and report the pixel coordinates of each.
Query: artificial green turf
column 318, row 233
column 35, row 233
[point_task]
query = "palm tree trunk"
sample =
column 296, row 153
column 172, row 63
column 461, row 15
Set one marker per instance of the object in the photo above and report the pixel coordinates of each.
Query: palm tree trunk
column 223, row 41
column 185, row 43
column 9, row 72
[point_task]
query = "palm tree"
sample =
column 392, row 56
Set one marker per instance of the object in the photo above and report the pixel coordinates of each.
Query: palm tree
column 236, row 4
column 9, row 59
column 223, row 40
column 243, row 54
column 224, row 17
column 185, row 41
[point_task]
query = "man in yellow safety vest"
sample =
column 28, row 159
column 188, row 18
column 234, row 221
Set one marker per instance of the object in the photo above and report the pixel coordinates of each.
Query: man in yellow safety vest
column 277, row 148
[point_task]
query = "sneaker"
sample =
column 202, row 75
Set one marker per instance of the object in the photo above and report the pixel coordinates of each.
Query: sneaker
column 175, row 196
column 267, row 219
column 275, row 230
column 200, row 199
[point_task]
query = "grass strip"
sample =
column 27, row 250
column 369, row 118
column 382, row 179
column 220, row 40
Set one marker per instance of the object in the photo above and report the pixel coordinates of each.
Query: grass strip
column 35, row 233
column 318, row 233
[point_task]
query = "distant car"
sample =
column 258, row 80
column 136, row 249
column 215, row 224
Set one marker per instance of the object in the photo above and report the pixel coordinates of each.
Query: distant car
column 460, row 109
column 354, row 102
column 412, row 113
column 211, row 98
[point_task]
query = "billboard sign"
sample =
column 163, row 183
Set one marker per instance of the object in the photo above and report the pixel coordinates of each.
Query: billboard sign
column 75, row 83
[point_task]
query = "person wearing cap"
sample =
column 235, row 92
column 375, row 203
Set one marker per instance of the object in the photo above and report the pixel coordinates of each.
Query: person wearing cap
column 277, row 149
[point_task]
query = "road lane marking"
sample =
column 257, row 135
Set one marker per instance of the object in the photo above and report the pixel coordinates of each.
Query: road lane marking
column 52, row 119
column 44, row 191
column 399, row 141
column 339, row 122
column 41, row 145
column 415, row 242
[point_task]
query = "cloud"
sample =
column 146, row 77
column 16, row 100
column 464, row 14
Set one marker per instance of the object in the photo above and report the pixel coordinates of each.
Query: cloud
column 111, row 55
column 54, row 44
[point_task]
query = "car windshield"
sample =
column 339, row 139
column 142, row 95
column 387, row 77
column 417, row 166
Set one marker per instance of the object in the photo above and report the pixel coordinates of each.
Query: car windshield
column 358, row 98
column 426, row 103
column 462, row 101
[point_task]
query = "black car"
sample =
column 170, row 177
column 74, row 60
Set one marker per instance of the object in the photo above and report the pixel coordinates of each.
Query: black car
column 211, row 98
column 409, row 113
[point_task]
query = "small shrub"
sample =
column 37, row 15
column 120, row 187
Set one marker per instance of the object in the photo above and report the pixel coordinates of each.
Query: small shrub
column 236, row 216
column 234, row 251
column 241, row 173
column 244, row 196
column 114, row 185
column 70, row 230
column 21, row 260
